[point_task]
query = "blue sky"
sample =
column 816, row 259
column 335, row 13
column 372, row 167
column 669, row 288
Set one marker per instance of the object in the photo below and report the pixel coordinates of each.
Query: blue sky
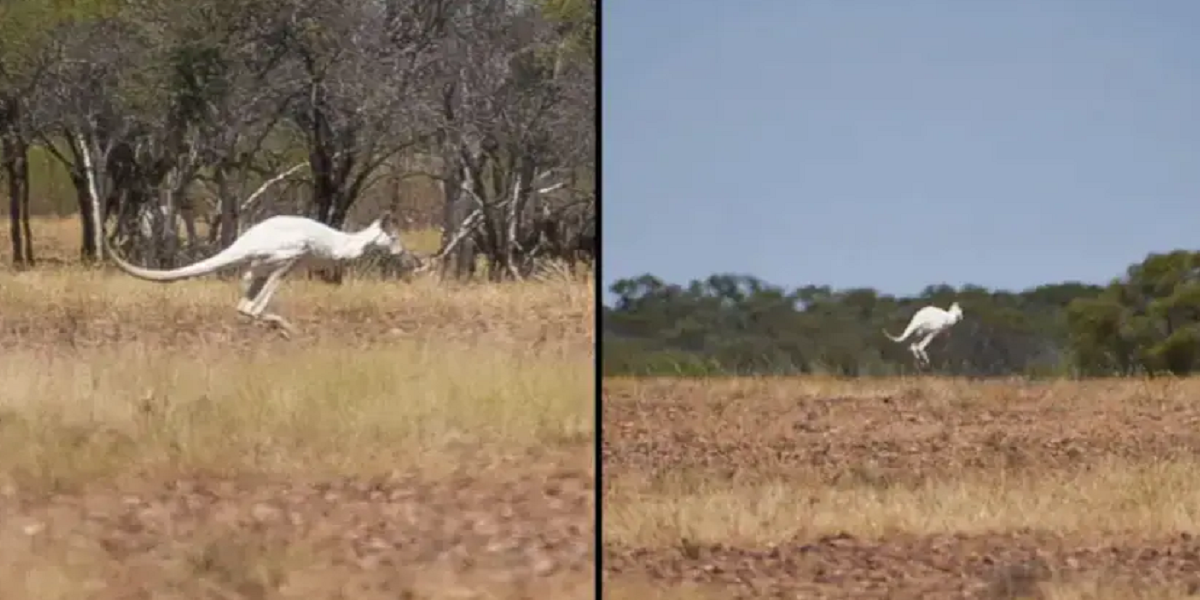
column 896, row 144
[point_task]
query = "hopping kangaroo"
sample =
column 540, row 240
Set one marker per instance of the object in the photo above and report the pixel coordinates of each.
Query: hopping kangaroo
column 929, row 322
column 269, row 250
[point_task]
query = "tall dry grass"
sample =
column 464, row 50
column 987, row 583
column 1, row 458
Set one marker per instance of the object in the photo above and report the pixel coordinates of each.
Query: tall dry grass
column 70, row 416
column 1110, row 496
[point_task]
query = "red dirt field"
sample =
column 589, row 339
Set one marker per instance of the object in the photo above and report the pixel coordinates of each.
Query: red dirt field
column 901, row 488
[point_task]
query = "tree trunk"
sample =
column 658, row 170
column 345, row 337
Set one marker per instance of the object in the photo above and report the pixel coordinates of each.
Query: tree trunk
column 187, row 213
column 87, row 247
column 229, row 208
column 91, row 171
column 518, row 261
column 16, row 167
column 28, row 233
column 460, row 263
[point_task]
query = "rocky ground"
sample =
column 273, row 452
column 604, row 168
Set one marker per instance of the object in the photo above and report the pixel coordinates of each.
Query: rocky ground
column 470, row 536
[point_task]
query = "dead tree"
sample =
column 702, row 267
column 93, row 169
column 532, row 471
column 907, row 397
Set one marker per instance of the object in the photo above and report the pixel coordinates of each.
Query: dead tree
column 359, row 65
column 88, row 113
column 566, row 233
column 504, row 101
column 23, row 62
column 232, row 90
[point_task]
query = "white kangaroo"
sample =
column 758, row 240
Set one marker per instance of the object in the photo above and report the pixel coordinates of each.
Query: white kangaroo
column 270, row 249
column 929, row 322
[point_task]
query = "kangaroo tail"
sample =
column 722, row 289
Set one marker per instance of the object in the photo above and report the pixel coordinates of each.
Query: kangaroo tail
column 196, row 269
column 907, row 332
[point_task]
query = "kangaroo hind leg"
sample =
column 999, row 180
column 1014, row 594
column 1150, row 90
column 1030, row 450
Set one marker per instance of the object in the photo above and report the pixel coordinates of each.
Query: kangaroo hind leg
column 257, row 307
column 923, row 344
column 918, row 354
column 253, row 282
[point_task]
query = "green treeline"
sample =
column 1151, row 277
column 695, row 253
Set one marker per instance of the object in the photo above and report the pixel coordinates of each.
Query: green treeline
column 1144, row 323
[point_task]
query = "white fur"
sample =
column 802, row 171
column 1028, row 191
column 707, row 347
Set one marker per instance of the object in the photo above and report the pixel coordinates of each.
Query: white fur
column 272, row 248
column 929, row 322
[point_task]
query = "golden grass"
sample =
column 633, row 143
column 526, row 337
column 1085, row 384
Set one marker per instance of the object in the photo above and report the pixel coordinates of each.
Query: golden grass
column 327, row 409
column 1114, row 496
column 1102, row 588
column 93, row 300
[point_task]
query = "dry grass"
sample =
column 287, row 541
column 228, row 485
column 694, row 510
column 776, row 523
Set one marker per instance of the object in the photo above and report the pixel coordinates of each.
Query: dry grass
column 418, row 439
column 1101, row 588
column 327, row 409
column 949, row 481
column 85, row 306
column 1109, row 496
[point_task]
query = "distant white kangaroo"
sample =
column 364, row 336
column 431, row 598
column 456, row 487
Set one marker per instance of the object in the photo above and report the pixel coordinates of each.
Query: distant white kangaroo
column 929, row 322
column 269, row 250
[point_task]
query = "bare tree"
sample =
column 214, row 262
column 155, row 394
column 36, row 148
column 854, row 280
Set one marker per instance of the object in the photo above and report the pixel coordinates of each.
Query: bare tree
column 510, row 115
column 141, row 103
column 226, row 97
column 14, row 148
column 359, row 65
column 87, row 105
column 357, row 110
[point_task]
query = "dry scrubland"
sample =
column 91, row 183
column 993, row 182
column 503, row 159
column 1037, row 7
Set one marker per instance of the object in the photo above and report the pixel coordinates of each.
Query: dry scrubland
column 416, row 440
column 901, row 488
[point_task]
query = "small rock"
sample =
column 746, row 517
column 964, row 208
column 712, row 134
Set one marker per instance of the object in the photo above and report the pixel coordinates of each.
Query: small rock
column 543, row 566
column 264, row 512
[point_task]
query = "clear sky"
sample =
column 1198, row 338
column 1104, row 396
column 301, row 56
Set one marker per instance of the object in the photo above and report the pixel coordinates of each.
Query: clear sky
column 898, row 143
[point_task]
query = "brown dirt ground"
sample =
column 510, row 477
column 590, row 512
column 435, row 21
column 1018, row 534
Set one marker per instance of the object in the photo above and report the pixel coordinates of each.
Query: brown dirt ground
column 874, row 439
column 402, row 536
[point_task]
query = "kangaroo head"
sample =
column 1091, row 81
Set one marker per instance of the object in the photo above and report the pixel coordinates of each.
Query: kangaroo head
column 387, row 235
column 956, row 310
